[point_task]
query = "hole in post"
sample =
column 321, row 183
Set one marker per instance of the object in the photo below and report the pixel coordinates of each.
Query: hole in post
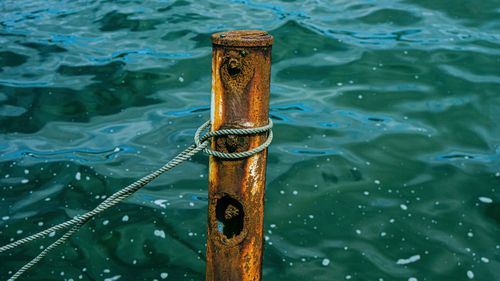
column 234, row 71
column 234, row 67
column 230, row 216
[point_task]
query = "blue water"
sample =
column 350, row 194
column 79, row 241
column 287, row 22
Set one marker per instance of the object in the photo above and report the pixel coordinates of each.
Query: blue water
column 385, row 163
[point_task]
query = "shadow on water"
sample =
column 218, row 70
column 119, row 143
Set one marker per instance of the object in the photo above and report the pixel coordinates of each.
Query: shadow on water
column 113, row 89
column 10, row 59
column 44, row 50
column 114, row 21
column 493, row 212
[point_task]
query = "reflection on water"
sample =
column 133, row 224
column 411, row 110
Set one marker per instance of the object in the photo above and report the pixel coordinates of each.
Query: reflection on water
column 385, row 164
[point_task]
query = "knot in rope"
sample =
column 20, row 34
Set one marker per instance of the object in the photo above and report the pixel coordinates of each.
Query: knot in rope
column 201, row 140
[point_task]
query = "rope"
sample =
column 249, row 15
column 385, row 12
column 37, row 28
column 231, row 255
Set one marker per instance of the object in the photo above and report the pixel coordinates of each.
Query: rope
column 201, row 144
column 43, row 253
column 225, row 132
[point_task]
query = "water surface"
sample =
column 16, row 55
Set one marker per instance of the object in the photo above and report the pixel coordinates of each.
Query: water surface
column 385, row 164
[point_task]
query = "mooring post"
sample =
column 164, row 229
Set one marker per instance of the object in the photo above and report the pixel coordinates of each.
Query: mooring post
column 241, row 64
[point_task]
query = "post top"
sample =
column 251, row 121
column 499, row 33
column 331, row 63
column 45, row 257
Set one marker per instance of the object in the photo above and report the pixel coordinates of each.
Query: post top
column 243, row 38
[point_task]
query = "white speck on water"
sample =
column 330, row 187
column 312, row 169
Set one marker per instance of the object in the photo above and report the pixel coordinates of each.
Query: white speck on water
column 125, row 218
column 360, row 97
column 470, row 234
column 470, row 274
column 486, row 200
column 116, row 277
column 325, row 262
column 160, row 202
column 25, row 181
column 181, row 79
column 106, row 270
column 348, row 277
column 383, row 234
column 412, row 279
column 485, row 260
column 272, row 225
column 163, row 275
column 4, row 218
column 497, row 174
column 409, row 260
column 19, row 231
column 376, row 181
column 191, row 204
column 78, row 176
column 52, row 234
column 366, row 193
column 295, row 192
column 358, row 231
column 26, row 171
column 159, row 233
column 105, row 222
column 403, row 207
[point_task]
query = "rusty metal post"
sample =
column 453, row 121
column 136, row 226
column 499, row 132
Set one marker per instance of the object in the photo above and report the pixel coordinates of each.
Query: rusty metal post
column 241, row 64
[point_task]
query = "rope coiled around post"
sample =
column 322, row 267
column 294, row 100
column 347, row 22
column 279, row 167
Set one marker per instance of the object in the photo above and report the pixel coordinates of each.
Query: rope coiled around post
column 225, row 132
column 201, row 143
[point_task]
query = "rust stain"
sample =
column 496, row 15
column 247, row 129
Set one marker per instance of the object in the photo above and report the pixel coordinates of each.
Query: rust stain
column 240, row 99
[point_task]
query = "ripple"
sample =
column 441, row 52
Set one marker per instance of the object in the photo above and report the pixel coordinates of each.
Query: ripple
column 470, row 156
column 190, row 111
column 80, row 156
column 11, row 111
column 312, row 152
column 391, row 16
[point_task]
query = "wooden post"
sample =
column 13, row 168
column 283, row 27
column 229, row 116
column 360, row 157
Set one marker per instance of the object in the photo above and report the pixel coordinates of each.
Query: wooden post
column 241, row 64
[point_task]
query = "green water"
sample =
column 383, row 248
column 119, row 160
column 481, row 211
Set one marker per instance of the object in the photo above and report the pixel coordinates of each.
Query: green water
column 385, row 163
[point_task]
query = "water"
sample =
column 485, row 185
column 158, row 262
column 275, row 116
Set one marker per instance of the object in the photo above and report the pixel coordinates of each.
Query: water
column 385, row 164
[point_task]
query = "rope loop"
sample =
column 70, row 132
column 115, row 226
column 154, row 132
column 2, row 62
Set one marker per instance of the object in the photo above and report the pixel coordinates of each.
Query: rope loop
column 201, row 140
